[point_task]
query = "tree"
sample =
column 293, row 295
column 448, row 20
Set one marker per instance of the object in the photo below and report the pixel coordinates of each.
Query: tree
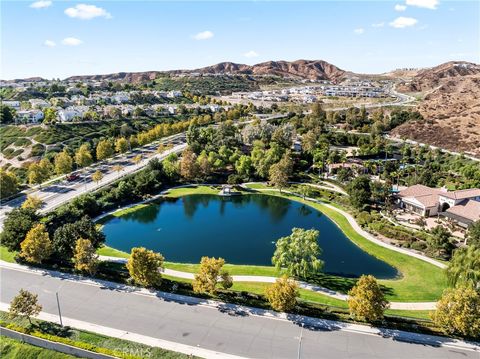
column 46, row 168
column 66, row 235
column 104, row 150
column 16, row 226
column 8, row 183
column 37, row 245
column 280, row 172
column 188, row 165
column 458, row 312
column 473, row 234
column 144, row 267
column 282, row 295
column 97, row 176
column 83, row 157
column 35, row 175
column 244, row 166
column 121, row 145
column 85, row 256
column 7, row 115
column 170, row 166
column 207, row 277
column 464, row 267
column 309, row 141
column 439, row 243
column 25, row 304
column 299, row 253
column 204, row 166
column 63, row 163
column 305, row 191
column 366, row 300
column 137, row 159
column 227, row 280
column 118, row 168
column 32, row 202
column 359, row 192
column 50, row 115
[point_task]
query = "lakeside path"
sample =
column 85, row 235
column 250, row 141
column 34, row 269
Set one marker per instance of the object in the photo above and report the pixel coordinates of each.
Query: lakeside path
column 213, row 327
column 303, row 285
column 399, row 305
column 361, row 231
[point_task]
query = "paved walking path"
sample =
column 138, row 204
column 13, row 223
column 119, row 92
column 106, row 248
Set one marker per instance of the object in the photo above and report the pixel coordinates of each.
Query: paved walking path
column 303, row 285
column 361, row 231
column 11, row 281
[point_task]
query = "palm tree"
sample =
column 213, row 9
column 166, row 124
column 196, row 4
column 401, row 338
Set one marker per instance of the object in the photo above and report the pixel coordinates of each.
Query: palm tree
column 464, row 267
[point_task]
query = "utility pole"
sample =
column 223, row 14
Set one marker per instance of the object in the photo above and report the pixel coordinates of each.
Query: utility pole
column 300, row 342
column 59, row 312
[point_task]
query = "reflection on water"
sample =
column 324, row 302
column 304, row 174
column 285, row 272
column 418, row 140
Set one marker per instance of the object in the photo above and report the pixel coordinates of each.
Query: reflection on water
column 241, row 229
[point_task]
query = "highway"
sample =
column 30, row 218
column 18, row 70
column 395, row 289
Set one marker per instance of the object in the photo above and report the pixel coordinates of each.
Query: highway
column 57, row 193
column 213, row 328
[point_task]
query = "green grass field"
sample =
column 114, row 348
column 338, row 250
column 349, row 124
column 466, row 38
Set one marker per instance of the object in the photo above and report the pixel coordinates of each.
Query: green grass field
column 14, row 349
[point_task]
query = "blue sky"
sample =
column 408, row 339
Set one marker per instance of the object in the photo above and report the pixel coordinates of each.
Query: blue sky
column 63, row 38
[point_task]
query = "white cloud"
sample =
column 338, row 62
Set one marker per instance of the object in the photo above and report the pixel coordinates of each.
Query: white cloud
column 402, row 22
column 72, row 41
column 359, row 31
column 250, row 54
column 204, row 35
column 50, row 43
column 378, row 24
column 399, row 7
column 87, row 12
column 41, row 4
column 427, row 4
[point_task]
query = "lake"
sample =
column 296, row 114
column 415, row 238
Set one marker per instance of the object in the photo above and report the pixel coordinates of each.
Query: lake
column 240, row 229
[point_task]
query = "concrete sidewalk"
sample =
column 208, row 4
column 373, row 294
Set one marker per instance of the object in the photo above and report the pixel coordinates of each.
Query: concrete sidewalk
column 304, row 321
column 303, row 285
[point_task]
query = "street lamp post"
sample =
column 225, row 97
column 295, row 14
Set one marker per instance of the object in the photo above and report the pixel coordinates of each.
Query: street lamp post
column 59, row 312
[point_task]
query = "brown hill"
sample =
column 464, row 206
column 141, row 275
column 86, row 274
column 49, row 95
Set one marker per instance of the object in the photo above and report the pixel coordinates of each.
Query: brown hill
column 301, row 69
column 451, row 107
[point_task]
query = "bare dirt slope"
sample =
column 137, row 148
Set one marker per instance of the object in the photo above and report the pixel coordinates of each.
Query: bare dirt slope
column 451, row 107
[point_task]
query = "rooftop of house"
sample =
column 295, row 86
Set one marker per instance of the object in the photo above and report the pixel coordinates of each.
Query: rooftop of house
column 469, row 209
column 463, row 193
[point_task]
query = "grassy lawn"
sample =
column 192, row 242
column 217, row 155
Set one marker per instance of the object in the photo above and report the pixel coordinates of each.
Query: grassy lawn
column 11, row 349
column 6, row 255
column 111, row 252
column 419, row 280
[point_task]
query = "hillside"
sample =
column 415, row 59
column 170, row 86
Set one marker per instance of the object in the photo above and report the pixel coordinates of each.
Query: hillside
column 450, row 106
column 300, row 69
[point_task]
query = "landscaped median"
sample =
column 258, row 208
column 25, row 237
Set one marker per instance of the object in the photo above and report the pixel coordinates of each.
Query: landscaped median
column 84, row 340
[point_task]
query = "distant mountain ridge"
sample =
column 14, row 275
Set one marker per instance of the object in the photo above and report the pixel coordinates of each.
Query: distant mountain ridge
column 301, row 69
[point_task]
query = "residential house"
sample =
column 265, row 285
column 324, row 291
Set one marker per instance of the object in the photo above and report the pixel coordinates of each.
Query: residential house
column 37, row 103
column 461, row 206
column 71, row 113
column 174, row 94
column 30, row 116
column 13, row 104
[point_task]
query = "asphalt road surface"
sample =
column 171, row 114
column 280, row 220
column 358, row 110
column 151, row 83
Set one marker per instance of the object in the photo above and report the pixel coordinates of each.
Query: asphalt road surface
column 197, row 325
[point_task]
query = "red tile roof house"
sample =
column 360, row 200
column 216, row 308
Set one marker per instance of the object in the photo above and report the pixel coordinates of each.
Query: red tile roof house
column 462, row 206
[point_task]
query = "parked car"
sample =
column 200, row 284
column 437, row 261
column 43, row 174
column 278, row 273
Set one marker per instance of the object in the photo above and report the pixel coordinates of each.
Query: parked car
column 72, row 176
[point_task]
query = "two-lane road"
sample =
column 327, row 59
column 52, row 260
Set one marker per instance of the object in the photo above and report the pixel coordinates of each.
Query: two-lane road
column 206, row 327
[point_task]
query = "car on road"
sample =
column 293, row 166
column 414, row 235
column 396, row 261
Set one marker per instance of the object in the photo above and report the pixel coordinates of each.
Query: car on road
column 72, row 176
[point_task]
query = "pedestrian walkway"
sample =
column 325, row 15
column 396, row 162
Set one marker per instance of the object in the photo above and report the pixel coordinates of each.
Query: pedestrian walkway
column 303, row 285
